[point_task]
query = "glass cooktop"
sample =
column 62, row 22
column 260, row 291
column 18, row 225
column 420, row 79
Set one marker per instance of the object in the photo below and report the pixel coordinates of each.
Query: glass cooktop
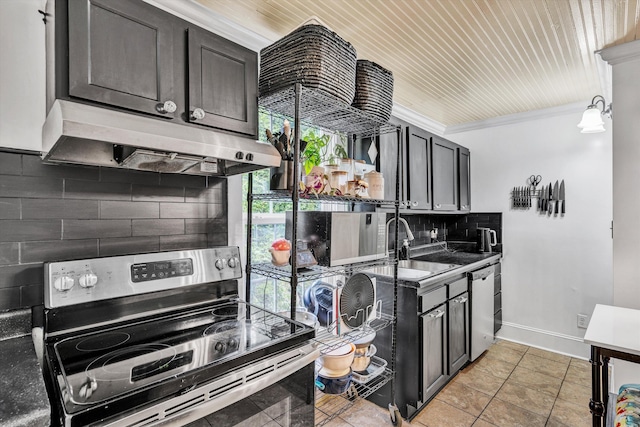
column 99, row 366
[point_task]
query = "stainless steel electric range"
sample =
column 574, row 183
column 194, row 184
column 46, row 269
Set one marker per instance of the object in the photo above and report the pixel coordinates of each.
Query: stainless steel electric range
column 162, row 339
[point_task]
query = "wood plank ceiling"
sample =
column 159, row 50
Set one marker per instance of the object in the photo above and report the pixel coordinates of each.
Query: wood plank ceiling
column 459, row 61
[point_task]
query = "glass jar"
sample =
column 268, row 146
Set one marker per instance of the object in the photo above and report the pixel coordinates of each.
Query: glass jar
column 338, row 180
column 376, row 184
column 347, row 166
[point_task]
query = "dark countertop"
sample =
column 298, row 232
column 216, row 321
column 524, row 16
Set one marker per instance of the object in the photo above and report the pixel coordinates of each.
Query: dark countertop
column 461, row 258
column 468, row 261
column 23, row 396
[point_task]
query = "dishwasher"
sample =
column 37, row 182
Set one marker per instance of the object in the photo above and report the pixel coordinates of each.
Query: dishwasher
column 481, row 288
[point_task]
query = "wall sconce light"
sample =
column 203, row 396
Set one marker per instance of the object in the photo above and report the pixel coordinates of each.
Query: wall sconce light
column 591, row 118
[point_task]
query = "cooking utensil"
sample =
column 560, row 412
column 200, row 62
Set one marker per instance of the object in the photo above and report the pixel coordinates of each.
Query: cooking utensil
column 286, row 128
column 561, row 197
column 282, row 140
column 549, row 198
column 555, row 198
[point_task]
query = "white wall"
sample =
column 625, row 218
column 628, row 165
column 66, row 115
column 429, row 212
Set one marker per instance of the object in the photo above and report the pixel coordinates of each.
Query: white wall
column 22, row 74
column 553, row 267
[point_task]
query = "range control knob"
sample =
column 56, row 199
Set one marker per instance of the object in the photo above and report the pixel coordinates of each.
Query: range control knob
column 233, row 262
column 239, row 155
column 249, row 157
column 221, row 263
column 88, row 280
column 220, row 347
column 63, row 283
column 232, row 343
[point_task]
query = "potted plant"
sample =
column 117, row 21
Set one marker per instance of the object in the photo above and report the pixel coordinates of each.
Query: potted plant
column 317, row 151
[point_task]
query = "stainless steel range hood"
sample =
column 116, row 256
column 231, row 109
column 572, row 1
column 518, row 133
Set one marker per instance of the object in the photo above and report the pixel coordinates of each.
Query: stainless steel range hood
column 88, row 135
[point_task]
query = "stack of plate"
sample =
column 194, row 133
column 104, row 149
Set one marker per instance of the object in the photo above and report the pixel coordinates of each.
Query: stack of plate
column 374, row 90
column 314, row 56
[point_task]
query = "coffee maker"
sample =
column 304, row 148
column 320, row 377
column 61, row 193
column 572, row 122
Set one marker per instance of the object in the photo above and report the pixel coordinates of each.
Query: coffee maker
column 487, row 238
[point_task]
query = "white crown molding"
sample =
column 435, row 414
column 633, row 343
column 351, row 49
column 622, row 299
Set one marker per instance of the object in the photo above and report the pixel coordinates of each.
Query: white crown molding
column 518, row 117
column 417, row 119
column 194, row 12
column 621, row 53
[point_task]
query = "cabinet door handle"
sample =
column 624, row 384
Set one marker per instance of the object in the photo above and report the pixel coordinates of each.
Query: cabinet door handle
column 167, row 107
column 414, row 203
column 436, row 314
column 197, row 114
column 461, row 300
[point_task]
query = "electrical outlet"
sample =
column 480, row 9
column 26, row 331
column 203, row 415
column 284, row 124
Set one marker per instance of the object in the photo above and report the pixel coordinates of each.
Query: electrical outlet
column 583, row 321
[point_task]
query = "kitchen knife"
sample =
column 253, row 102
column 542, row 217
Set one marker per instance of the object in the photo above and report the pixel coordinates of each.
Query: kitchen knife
column 549, row 199
column 541, row 199
column 561, row 197
column 555, row 198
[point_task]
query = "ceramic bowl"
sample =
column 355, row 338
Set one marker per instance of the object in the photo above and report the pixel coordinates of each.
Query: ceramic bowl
column 338, row 360
column 364, row 341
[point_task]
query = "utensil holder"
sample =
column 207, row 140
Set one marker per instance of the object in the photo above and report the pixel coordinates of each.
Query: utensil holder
column 282, row 177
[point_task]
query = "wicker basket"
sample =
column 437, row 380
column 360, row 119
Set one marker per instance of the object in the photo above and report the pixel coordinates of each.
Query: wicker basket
column 311, row 55
column 374, row 90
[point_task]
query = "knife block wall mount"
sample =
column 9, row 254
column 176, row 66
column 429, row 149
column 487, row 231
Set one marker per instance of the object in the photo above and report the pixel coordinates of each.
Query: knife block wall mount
column 550, row 199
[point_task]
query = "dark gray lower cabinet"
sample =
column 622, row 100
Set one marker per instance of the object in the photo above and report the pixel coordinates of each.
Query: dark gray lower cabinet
column 433, row 353
column 459, row 332
column 432, row 340
column 121, row 53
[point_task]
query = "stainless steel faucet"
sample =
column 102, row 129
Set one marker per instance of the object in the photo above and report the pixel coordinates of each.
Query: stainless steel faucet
column 410, row 236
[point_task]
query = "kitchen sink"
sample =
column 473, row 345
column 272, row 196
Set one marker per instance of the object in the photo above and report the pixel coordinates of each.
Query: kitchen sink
column 433, row 267
column 413, row 269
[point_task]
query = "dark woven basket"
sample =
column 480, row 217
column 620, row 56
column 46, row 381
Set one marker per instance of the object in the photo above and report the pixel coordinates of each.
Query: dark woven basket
column 311, row 55
column 374, row 90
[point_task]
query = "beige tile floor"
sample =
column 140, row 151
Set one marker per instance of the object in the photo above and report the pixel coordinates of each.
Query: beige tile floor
column 511, row 385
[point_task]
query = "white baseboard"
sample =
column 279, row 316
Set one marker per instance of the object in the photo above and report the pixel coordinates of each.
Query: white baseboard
column 546, row 340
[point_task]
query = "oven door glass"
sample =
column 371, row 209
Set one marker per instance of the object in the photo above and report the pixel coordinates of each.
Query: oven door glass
column 289, row 402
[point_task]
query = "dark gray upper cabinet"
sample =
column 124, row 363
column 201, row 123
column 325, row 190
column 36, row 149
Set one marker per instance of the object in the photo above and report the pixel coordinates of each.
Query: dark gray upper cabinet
column 128, row 54
column 223, row 82
column 464, row 176
column 388, row 163
column 418, row 174
column 121, row 53
column 444, row 157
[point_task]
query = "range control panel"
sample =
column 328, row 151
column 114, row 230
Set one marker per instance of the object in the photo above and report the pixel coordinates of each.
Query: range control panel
column 146, row 271
column 81, row 281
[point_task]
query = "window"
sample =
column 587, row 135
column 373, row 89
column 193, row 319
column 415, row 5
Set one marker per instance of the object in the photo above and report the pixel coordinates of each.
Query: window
column 268, row 224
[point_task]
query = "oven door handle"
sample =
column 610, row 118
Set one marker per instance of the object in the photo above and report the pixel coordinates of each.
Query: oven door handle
column 222, row 392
